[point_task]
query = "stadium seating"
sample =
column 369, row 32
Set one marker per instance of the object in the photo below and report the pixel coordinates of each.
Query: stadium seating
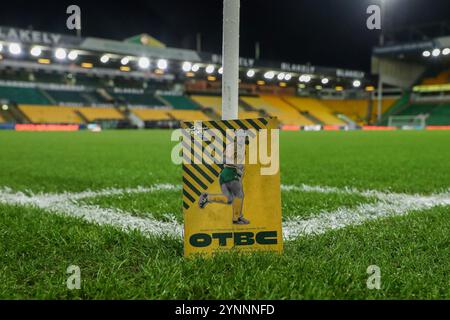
column 249, row 114
column 385, row 106
column 139, row 99
column 2, row 120
column 188, row 115
column 94, row 114
column 439, row 114
column 180, row 102
column 441, row 78
column 67, row 97
column 316, row 109
column 51, row 114
column 214, row 102
column 357, row 110
column 23, row 95
column 275, row 106
column 152, row 114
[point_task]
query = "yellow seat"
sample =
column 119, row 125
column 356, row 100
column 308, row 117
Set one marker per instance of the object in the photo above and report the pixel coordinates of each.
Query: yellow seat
column 276, row 107
column 93, row 114
column 316, row 109
column 214, row 102
column 249, row 114
column 51, row 114
column 356, row 110
column 189, row 115
column 152, row 114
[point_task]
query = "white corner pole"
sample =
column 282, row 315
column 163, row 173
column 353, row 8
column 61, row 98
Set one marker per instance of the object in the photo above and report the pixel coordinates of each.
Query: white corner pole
column 230, row 58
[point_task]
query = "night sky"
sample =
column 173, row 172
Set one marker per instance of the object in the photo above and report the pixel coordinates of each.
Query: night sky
column 323, row 32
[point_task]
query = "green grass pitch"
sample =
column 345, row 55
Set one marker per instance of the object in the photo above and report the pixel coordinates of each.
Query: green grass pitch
column 411, row 249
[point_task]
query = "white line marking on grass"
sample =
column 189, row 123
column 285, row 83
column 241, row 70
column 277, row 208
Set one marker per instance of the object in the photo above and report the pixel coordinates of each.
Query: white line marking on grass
column 64, row 204
column 389, row 205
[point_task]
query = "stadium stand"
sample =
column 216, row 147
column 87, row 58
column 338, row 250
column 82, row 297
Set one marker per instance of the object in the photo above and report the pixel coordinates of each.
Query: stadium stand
column 51, row 114
column 63, row 97
column 2, row 120
column 152, row 114
column 386, row 105
column 213, row 102
column 189, row 115
column 249, row 114
column 357, row 109
column 138, row 99
column 180, row 102
column 275, row 106
column 23, row 95
column 439, row 114
column 316, row 109
column 94, row 114
column 441, row 78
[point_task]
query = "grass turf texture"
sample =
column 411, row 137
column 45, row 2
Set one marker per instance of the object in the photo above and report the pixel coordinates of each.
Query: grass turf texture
column 37, row 247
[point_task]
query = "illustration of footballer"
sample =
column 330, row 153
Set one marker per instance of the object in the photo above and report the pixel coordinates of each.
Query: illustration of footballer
column 230, row 180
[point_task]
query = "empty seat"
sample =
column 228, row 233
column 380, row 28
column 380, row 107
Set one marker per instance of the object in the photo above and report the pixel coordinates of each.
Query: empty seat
column 93, row 114
column 274, row 106
column 315, row 108
column 51, row 114
column 152, row 114
column 180, row 102
column 67, row 97
column 189, row 115
column 214, row 102
column 139, row 99
column 23, row 95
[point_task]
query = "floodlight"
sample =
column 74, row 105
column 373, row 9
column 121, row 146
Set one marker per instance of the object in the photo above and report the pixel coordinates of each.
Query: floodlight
column 325, row 81
column 187, row 66
column 269, row 75
column 15, row 48
column 60, row 54
column 281, row 76
column 436, row 52
column 36, row 51
column 251, row 73
column 104, row 58
column 210, row 69
column 124, row 61
column 426, row 53
column 356, row 83
column 195, row 67
column 73, row 55
column 144, row 63
column 305, row 78
column 162, row 64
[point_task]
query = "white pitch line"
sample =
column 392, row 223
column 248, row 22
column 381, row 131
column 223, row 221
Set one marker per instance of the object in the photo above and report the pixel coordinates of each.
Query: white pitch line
column 389, row 205
column 64, row 204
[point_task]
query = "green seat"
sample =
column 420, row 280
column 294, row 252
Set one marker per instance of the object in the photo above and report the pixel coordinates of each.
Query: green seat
column 23, row 95
column 181, row 102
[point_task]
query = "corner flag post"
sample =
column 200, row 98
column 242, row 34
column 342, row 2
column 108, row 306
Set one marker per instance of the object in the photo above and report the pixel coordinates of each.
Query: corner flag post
column 230, row 58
